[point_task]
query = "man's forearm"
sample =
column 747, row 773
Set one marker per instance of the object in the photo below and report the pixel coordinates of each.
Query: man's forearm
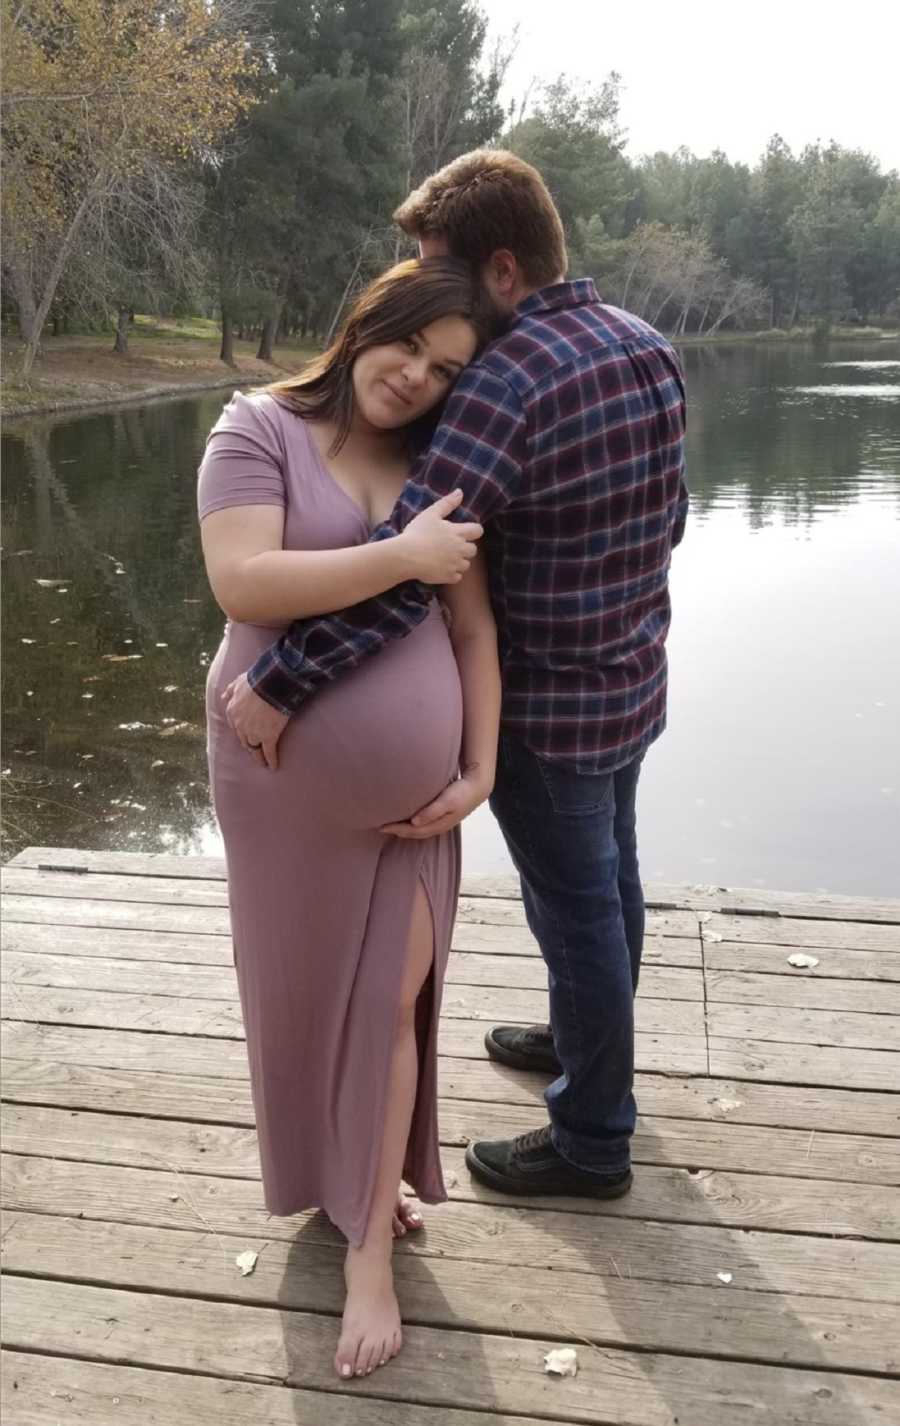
column 314, row 652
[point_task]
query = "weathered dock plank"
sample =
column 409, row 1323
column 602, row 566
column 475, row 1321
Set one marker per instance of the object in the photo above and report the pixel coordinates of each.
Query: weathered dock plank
column 755, row 1264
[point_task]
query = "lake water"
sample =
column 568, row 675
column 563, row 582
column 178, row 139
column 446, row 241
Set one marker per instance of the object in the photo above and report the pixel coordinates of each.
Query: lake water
column 781, row 764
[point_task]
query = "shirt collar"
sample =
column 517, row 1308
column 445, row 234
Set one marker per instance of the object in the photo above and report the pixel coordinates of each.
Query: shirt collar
column 561, row 294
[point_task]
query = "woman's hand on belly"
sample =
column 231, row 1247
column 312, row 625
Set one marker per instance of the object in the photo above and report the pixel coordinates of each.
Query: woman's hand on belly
column 254, row 722
column 446, row 811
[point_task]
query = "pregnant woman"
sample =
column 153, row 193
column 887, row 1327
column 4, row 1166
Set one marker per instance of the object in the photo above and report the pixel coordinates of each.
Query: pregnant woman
column 342, row 930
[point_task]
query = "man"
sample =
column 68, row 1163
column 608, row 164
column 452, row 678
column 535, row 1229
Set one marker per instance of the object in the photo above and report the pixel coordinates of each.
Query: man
column 566, row 437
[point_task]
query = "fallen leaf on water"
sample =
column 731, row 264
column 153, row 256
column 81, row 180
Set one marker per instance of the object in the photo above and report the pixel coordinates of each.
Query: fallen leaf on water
column 246, row 1262
column 803, row 961
column 562, row 1361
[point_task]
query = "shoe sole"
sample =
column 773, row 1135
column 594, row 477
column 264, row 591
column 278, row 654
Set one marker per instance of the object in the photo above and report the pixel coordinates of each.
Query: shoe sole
column 496, row 1180
column 516, row 1060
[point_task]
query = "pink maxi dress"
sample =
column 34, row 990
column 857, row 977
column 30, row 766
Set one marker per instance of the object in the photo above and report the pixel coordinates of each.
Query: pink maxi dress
column 320, row 900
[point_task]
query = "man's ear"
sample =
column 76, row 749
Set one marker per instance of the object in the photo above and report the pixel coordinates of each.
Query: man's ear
column 504, row 269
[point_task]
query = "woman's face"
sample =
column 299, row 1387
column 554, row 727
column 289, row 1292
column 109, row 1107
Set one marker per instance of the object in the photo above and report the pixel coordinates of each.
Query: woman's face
column 396, row 383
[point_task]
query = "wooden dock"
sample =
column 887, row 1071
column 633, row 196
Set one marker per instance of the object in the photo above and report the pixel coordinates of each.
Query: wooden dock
column 751, row 1276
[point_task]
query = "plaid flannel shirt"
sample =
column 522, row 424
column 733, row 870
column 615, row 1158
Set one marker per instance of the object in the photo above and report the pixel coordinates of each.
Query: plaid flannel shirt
column 566, row 437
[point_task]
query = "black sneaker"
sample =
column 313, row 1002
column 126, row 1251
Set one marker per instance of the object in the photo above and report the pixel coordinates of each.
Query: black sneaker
column 529, row 1164
column 528, row 1047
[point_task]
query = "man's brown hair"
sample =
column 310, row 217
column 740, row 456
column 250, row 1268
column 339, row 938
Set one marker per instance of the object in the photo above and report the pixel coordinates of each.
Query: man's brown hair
column 485, row 200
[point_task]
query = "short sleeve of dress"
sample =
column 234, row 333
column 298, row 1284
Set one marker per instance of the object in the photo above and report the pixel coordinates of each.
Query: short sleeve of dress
column 243, row 463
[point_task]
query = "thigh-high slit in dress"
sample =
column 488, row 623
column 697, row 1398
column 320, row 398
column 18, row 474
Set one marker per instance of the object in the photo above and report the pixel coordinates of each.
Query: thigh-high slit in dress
column 320, row 900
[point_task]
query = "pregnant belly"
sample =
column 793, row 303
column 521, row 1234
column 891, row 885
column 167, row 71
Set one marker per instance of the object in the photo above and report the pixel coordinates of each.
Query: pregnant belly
column 381, row 742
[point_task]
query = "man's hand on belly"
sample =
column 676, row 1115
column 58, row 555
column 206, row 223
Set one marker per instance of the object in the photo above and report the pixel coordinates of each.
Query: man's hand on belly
column 452, row 806
column 255, row 723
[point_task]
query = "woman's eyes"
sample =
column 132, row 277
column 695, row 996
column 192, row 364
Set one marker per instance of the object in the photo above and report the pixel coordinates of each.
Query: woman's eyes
column 442, row 372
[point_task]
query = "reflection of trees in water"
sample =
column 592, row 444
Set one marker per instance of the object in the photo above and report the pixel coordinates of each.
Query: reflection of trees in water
column 756, row 442
column 88, row 497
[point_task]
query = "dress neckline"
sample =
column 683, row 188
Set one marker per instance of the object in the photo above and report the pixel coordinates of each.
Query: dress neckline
column 332, row 480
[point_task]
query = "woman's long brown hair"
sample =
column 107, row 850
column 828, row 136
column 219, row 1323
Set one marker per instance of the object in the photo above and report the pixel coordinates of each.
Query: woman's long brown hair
column 394, row 306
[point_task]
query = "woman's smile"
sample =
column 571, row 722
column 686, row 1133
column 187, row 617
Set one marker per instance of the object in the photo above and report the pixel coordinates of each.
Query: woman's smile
column 397, row 395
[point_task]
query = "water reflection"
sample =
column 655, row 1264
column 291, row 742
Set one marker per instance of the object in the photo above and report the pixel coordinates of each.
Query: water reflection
column 785, row 603
column 103, row 736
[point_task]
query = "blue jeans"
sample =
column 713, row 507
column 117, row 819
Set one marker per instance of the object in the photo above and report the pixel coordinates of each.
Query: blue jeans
column 572, row 838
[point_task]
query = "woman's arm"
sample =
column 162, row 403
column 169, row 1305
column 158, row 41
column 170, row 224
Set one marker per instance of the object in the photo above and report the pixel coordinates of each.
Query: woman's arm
column 473, row 634
column 255, row 581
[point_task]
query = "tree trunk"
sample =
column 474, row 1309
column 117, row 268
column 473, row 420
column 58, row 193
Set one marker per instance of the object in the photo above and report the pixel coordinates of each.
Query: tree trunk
column 267, row 336
column 226, row 352
column 120, row 345
column 23, row 294
column 56, row 272
column 794, row 308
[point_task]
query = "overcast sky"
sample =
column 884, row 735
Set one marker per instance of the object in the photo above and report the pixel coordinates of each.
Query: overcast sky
column 719, row 75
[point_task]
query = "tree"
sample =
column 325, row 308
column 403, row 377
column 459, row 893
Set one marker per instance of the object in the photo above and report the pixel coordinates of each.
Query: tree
column 91, row 96
column 574, row 140
column 776, row 188
column 825, row 231
column 447, row 90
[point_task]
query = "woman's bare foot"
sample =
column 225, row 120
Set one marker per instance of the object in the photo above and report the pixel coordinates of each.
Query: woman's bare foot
column 370, row 1330
column 406, row 1218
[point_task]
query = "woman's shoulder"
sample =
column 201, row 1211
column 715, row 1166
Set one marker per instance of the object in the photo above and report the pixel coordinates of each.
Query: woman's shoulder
column 263, row 417
column 250, row 408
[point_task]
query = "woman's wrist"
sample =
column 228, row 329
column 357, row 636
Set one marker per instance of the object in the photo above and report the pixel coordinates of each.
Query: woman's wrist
column 479, row 776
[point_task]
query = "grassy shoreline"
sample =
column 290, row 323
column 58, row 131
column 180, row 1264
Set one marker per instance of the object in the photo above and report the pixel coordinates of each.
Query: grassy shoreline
column 165, row 358
column 781, row 336
column 76, row 373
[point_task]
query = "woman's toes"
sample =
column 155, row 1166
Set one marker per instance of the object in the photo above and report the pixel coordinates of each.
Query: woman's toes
column 410, row 1218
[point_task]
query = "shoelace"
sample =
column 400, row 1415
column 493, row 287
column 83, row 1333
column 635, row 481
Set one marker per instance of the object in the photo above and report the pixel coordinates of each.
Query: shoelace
column 533, row 1139
column 537, row 1037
